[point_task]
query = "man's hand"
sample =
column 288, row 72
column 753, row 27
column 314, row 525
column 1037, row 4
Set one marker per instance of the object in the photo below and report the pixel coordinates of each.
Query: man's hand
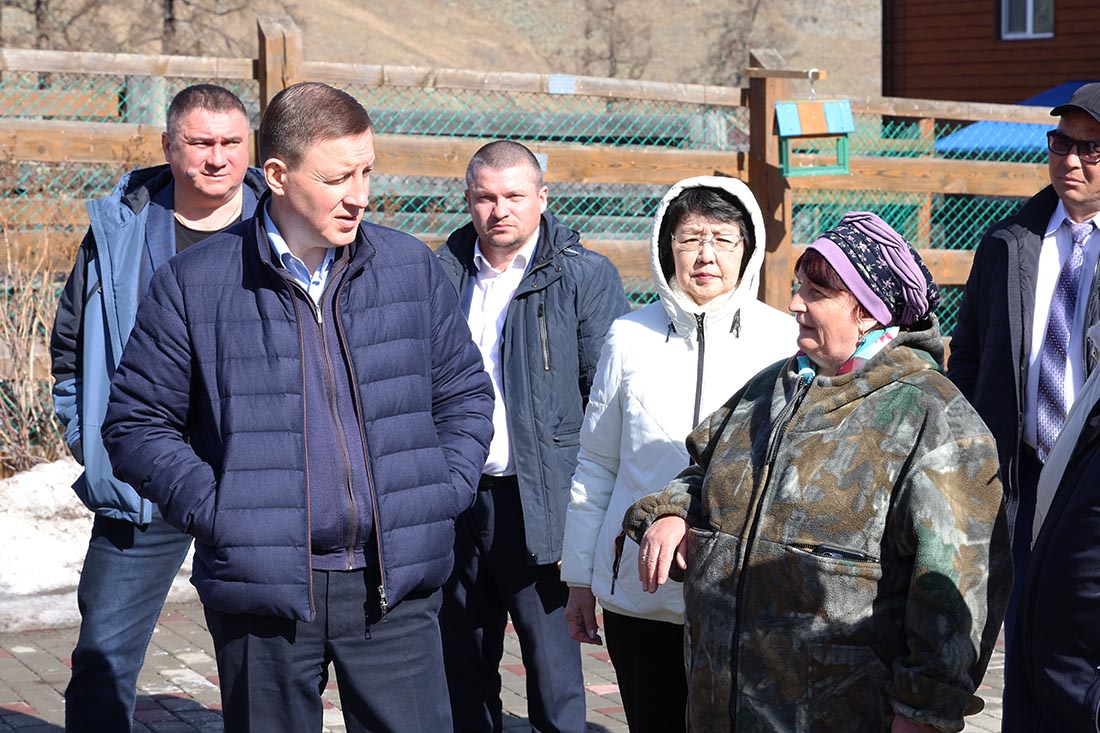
column 664, row 540
column 580, row 614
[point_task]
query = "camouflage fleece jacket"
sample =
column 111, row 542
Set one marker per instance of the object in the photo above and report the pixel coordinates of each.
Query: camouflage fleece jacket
column 848, row 551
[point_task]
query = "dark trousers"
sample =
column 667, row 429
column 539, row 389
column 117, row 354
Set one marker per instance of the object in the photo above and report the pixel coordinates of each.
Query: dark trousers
column 389, row 671
column 648, row 657
column 491, row 580
column 1029, row 471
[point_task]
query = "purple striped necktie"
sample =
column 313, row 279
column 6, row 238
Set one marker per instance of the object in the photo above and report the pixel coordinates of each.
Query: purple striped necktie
column 1051, row 407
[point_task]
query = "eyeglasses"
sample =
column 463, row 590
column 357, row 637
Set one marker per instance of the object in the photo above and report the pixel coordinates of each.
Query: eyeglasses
column 719, row 242
column 1087, row 150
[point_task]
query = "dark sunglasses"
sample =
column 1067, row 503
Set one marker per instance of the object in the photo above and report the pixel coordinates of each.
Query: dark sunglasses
column 1087, row 150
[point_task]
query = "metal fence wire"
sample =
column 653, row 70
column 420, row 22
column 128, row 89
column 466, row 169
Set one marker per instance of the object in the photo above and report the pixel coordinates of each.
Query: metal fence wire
column 49, row 197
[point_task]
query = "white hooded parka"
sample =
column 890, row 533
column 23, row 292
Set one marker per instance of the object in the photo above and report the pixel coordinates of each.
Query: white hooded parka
column 663, row 368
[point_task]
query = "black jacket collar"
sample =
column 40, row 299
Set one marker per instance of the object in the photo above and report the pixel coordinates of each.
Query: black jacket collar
column 554, row 239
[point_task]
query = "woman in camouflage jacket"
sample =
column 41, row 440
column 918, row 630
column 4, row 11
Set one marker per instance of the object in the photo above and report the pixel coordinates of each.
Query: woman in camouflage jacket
column 841, row 524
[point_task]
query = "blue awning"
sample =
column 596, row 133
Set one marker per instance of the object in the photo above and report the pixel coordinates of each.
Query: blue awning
column 1005, row 137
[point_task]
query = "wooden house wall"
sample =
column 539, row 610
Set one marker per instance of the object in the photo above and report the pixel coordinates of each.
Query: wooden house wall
column 952, row 50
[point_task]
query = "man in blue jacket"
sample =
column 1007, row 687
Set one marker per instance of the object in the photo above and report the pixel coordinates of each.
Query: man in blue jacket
column 301, row 395
column 539, row 306
column 133, row 555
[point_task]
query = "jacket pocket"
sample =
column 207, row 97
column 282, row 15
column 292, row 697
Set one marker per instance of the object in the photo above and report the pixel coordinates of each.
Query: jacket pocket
column 832, row 582
column 544, row 337
column 567, row 442
column 834, row 552
column 846, row 690
column 568, row 438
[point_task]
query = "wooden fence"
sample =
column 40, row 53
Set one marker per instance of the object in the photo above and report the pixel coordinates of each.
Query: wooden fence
column 281, row 62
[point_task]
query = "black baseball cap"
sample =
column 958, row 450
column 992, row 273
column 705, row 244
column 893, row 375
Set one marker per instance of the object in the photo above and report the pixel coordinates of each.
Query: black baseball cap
column 1086, row 99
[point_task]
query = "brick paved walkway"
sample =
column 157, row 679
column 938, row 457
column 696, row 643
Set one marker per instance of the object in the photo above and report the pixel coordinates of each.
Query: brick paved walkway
column 178, row 686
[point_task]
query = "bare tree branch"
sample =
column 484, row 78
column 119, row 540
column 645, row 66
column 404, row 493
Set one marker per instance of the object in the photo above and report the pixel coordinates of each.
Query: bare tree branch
column 617, row 43
column 731, row 43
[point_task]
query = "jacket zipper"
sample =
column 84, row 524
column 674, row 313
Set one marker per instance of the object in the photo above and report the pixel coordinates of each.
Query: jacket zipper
column 383, row 601
column 620, row 540
column 836, row 553
column 523, row 289
column 544, row 334
column 774, row 441
column 341, row 439
column 305, row 445
column 701, row 340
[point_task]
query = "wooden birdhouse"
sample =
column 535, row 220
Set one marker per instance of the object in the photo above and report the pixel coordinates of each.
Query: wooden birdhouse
column 814, row 120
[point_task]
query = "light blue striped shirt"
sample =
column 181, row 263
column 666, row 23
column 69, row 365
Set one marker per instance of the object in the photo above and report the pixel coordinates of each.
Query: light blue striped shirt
column 314, row 283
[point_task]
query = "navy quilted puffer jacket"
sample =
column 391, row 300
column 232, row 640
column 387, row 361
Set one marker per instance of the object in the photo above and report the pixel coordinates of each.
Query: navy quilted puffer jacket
column 206, row 416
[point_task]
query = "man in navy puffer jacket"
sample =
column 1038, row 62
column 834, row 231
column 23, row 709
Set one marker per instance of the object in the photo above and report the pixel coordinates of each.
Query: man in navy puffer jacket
column 302, row 396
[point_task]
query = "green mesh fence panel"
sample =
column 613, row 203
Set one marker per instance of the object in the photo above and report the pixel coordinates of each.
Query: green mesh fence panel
column 431, row 208
column 950, row 221
column 49, row 196
column 910, row 138
column 929, row 221
column 639, row 291
column 104, row 97
column 950, row 296
column 553, row 118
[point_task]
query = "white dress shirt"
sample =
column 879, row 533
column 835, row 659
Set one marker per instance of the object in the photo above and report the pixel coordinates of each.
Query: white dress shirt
column 491, row 293
column 1056, row 249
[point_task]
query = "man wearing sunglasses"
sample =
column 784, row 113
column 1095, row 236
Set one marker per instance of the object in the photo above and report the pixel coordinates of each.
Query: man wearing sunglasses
column 1020, row 351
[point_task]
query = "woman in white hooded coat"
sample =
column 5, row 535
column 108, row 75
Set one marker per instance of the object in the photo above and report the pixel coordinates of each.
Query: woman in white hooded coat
column 664, row 368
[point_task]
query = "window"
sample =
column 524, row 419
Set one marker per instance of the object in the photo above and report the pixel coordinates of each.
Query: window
column 1027, row 19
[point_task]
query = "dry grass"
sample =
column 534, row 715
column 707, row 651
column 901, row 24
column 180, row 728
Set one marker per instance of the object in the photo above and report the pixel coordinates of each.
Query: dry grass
column 29, row 432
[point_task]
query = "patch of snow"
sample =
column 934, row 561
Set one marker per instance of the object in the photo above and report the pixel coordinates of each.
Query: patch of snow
column 44, row 531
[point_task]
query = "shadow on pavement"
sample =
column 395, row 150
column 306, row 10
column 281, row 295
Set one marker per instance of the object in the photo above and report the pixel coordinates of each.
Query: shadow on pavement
column 157, row 710
column 12, row 721
column 512, row 724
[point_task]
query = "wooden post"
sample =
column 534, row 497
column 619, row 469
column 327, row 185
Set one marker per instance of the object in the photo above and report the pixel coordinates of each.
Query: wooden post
column 927, row 127
column 765, row 179
column 280, row 57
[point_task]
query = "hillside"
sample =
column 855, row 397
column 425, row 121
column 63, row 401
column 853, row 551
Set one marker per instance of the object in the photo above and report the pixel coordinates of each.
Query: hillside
column 665, row 41
column 686, row 41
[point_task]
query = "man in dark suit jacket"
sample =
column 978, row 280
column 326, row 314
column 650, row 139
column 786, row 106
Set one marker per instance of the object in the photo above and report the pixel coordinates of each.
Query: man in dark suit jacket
column 1018, row 299
column 539, row 306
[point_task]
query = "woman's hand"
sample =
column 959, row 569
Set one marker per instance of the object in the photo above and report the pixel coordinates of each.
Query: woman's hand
column 664, row 540
column 901, row 725
column 580, row 614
